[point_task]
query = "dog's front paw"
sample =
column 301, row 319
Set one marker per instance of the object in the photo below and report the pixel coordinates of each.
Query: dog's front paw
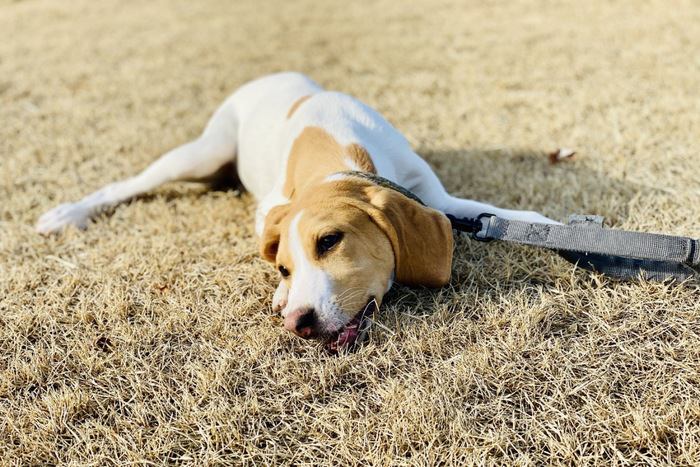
column 61, row 217
column 279, row 300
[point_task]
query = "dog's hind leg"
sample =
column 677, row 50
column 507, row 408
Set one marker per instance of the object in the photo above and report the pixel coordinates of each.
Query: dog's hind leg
column 197, row 160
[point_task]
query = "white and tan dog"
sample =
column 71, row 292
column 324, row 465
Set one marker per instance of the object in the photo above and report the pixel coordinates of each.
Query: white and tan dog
column 338, row 240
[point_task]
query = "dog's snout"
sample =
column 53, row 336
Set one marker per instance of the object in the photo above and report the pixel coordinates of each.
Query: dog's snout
column 301, row 322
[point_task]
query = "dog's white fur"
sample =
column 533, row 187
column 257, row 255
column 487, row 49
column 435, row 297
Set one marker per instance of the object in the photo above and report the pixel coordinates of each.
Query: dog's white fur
column 253, row 129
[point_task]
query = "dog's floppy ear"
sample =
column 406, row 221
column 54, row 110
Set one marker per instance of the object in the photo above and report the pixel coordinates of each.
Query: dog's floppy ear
column 270, row 239
column 421, row 237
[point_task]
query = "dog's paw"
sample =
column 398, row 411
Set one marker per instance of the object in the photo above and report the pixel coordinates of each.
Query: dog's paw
column 62, row 216
column 279, row 300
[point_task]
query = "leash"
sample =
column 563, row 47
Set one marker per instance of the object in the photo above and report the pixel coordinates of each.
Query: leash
column 583, row 241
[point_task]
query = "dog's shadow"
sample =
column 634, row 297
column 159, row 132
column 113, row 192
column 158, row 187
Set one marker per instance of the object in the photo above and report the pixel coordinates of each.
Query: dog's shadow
column 527, row 179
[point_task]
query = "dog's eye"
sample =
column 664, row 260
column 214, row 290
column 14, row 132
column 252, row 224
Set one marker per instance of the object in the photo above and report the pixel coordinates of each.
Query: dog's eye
column 327, row 242
column 284, row 271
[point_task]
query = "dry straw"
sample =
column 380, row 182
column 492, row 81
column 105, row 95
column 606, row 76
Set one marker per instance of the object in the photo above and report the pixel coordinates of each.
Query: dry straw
column 148, row 338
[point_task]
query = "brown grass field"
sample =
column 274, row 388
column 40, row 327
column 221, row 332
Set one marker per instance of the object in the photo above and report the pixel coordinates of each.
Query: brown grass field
column 148, row 338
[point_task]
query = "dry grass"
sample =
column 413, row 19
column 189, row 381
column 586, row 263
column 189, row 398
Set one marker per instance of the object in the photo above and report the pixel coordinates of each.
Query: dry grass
column 149, row 339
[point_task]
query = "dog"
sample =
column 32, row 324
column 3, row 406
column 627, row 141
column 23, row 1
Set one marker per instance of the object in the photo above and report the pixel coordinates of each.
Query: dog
column 338, row 239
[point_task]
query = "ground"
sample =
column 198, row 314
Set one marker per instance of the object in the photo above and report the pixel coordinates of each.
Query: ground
column 149, row 338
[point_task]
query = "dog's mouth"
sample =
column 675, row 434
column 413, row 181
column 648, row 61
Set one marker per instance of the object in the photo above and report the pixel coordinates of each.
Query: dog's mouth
column 355, row 331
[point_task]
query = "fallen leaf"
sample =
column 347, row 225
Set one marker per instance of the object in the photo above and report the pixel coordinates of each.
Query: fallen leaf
column 561, row 155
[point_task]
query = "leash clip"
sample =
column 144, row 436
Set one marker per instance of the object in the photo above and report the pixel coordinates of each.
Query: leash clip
column 484, row 228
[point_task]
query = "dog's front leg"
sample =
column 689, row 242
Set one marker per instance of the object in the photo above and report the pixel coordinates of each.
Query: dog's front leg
column 462, row 208
column 279, row 299
column 426, row 184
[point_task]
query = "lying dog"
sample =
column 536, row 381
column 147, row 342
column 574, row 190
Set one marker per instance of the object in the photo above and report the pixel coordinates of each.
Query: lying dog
column 338, row 239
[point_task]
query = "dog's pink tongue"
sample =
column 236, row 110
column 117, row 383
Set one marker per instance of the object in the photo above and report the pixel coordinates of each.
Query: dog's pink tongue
column 346, row 338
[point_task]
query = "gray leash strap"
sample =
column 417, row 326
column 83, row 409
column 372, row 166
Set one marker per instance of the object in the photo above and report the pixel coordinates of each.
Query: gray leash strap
column 617, row 253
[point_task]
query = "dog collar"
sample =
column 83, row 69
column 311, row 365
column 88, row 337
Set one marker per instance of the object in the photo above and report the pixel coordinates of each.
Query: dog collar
column 383, row 182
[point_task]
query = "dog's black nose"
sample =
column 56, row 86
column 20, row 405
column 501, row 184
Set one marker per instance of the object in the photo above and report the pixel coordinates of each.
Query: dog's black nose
column 301, row 322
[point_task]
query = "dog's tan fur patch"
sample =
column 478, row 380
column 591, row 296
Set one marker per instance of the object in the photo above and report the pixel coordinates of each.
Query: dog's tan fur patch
column 315, row 154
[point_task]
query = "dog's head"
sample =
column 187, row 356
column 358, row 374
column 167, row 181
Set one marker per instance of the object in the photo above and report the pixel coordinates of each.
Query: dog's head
column 339, row 244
